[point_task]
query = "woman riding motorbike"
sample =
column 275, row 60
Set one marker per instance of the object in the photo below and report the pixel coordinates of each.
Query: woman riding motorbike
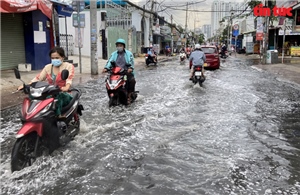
column 52, row 74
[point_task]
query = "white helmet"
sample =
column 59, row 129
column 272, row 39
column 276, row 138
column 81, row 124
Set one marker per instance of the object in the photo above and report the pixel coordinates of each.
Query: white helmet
column 197, row 46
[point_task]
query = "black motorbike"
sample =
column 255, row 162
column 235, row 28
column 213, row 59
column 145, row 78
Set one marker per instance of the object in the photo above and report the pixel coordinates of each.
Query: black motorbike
column 197, row 76
column 149, row 60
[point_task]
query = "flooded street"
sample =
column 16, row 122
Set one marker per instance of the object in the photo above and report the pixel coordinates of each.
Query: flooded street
column 239, row 134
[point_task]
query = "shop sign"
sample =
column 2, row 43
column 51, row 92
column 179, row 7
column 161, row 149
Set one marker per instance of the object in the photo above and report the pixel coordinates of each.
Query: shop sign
column 262, row 11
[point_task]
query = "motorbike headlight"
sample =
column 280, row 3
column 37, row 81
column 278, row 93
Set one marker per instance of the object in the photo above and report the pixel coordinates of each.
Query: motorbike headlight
column 44, row 110
column 36, row 92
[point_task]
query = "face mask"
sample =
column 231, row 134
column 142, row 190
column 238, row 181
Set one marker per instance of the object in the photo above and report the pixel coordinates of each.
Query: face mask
column 120, row 49
column 56, row 62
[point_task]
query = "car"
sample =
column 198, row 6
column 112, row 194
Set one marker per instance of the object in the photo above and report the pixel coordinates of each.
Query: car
column 212, row 57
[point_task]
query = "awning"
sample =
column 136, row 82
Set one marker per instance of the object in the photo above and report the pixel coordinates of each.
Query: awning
column 12, row 6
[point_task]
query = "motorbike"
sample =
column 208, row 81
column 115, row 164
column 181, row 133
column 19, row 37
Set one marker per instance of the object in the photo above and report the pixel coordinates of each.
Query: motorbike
column 182, row 57
column 168, row 52
column 149, row 60
column 197, row 76
column 42, row 131
column 116, row 86
column 224, row 54
column 188, row 53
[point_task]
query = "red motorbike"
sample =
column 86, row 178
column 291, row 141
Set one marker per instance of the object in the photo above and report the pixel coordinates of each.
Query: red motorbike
column 116, row 86
column 168, row 52
column 42, row 131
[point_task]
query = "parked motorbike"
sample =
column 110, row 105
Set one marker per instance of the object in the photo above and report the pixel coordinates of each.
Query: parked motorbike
column 197, row 76
column 168, row 52
column 149, row 60
column 116, row 86
column 42, row 131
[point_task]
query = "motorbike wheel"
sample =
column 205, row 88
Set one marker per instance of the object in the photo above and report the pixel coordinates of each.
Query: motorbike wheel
column 23, row 152
column 200, row 84
column 113, row 101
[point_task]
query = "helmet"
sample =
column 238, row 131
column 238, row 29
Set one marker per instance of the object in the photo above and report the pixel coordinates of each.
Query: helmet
column 197, row 46
column 121, row 41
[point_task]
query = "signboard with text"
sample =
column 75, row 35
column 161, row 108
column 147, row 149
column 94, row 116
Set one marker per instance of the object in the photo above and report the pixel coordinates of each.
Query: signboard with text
column 81, row 20
column 259, row 29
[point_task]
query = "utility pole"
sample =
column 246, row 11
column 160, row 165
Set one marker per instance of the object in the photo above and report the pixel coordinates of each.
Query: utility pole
column 151, row 24
column 93, row 20
column 266, row 35
column 172, row 42
column 283, row 46
column 186, row 18
column 228, row 33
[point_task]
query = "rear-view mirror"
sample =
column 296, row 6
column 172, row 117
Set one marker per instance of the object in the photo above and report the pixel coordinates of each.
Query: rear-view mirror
column 17, row 73
column 64, row 74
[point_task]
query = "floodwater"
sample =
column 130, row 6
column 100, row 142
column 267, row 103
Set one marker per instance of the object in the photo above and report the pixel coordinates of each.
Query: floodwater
column 238, row 134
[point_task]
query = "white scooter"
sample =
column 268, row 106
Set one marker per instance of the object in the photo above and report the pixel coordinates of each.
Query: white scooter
column 182, row 57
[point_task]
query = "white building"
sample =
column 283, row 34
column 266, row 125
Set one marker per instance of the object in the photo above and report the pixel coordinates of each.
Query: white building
column 206, row 29
column 222, row 10
column 138, row 21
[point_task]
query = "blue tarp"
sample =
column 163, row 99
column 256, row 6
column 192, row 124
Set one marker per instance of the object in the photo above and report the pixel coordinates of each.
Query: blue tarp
column 119, row 2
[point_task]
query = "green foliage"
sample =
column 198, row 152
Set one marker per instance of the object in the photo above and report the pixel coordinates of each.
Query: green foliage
column 201, row 38
column 180, row 29
column 254, row 3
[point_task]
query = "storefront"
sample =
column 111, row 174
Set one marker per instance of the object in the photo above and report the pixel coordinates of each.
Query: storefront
column 25, row 33
column 12, row 41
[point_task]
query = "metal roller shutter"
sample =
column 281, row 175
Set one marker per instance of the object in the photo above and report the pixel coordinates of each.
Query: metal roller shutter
column 12, row 41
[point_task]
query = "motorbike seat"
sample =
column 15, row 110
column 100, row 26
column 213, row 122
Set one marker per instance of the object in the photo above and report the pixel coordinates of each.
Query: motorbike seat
column 75, row 95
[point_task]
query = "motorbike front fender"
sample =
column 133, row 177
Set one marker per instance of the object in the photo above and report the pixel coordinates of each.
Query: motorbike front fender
column 29, row 127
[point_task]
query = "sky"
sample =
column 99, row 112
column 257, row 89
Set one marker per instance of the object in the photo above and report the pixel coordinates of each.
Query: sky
column 196, row 19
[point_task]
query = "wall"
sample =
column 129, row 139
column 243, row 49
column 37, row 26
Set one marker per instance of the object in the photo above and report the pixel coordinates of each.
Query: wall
column 86, row 49
column 136, row 22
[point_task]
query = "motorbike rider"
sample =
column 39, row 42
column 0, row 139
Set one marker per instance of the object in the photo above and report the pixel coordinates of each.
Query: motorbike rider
column 122, row 57
column 198, row 59
column 152, row 54
column 223, row 50
column 182, row 49
column 168, row 50
column 182, row 53
column 52, row 74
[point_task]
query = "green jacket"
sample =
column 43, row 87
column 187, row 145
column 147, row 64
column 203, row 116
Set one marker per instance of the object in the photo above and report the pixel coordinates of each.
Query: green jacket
column 128, row 57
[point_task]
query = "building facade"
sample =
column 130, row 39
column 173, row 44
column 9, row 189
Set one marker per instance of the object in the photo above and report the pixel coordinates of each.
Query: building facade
column 222, row 10
column 206, row 30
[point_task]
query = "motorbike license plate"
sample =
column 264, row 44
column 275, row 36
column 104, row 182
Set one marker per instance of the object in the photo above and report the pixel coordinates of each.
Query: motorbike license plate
column 197, row 73
column 205, row 64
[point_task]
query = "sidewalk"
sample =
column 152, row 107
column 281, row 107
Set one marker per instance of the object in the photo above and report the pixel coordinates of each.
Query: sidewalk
column 288, row 71
column 9, row 84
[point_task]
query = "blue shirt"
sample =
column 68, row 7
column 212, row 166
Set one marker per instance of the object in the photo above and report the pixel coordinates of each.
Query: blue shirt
column 198, row 58
column 128, row 58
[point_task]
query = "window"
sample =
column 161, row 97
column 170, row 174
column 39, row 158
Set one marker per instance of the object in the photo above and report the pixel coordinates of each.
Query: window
column 208, row 50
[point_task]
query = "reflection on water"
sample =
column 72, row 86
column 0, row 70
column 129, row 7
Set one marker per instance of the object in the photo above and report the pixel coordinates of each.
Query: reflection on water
column 236, row 135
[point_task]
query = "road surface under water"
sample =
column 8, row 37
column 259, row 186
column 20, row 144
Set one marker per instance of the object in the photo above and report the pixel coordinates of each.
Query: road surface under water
column 239, row 134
